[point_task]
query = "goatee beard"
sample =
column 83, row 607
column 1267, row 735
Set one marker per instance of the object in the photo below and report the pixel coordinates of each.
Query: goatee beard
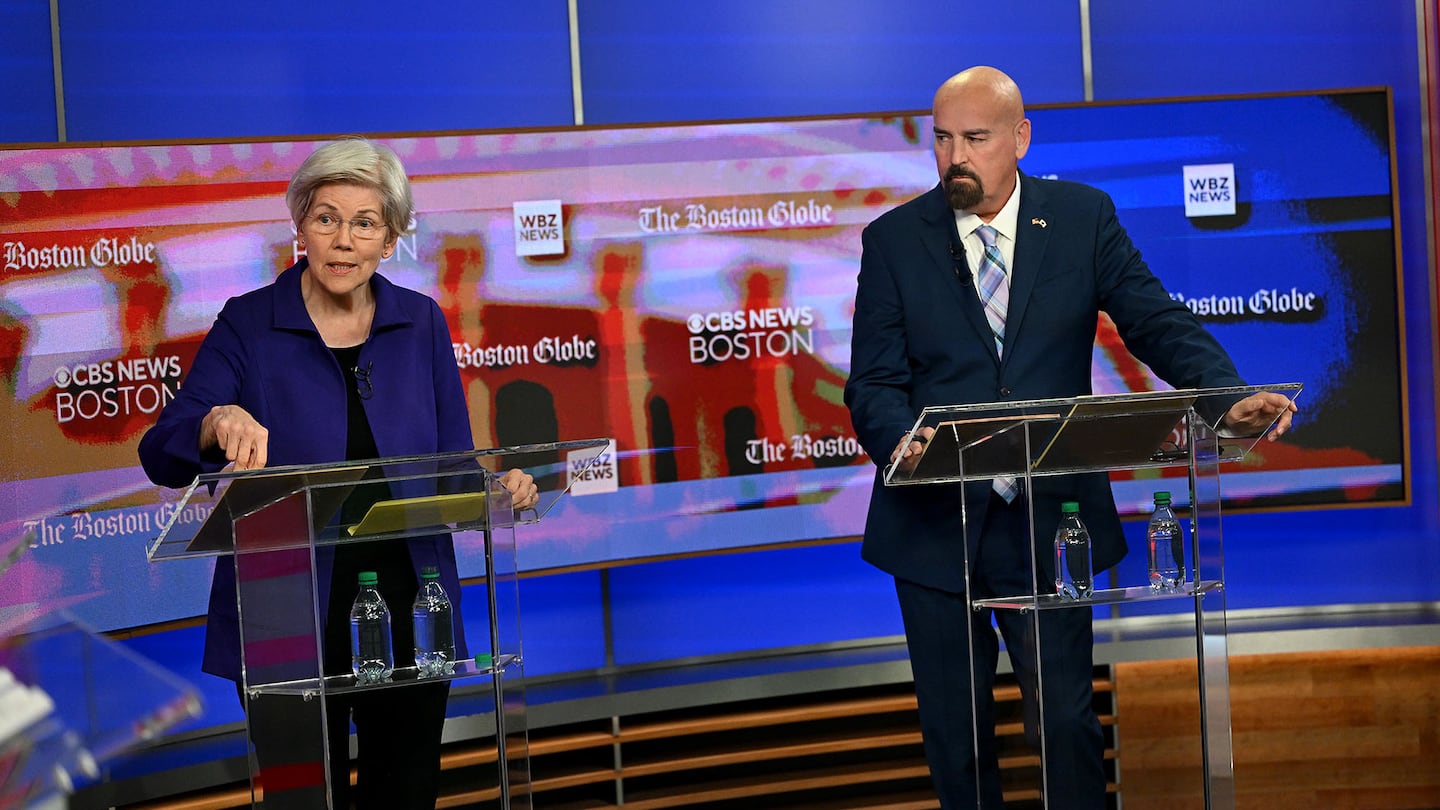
column 963, row 196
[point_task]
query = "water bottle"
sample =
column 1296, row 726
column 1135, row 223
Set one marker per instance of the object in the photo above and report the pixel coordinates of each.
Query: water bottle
column 434, row 627
column 1073, row 578
column 371, row 658
column 1165, row 542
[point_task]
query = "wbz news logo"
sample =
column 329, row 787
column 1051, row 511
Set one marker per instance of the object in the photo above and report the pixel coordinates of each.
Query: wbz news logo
column 593, row 478
column 539, row 228
column 1210, row 190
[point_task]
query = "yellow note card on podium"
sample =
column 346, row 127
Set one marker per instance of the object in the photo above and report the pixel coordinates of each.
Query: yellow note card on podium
column 430, row 511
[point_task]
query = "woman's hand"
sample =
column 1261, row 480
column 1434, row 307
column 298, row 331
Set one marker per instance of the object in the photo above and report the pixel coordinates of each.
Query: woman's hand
column 232, row 429
column 524, row 493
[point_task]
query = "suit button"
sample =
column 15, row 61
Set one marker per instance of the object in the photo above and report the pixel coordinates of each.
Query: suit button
column 1004, row 392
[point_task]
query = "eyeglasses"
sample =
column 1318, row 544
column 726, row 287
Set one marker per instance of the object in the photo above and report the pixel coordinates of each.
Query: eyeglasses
column 360, row 227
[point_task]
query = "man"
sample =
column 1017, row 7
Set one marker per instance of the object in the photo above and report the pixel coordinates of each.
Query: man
column 922, row 336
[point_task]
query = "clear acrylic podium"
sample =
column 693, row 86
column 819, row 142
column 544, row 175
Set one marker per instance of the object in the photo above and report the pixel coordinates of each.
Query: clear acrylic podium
column 274, row 525
column 1035, row 439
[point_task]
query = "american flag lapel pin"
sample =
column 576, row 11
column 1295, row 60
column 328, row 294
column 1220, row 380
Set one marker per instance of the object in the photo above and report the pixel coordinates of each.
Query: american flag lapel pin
column 1038, row 221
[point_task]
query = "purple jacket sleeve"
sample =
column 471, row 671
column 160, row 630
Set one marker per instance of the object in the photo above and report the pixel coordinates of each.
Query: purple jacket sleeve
column 170, row 450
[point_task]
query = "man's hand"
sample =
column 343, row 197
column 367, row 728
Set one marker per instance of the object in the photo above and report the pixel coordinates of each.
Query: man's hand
column 907, row 454
column 524, row 493
column 1252, row 414
column 232, row 429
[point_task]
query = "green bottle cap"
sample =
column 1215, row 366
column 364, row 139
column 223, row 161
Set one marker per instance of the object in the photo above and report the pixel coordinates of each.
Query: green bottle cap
column 368, row 578
column 1162, row 497
column 429, row 572
column 1070, row 508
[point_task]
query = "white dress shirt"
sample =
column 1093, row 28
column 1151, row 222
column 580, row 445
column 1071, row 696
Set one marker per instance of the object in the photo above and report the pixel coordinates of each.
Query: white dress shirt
column 1004, row 223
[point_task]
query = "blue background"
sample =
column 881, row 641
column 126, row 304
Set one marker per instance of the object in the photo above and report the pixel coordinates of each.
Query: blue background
column 162, row 69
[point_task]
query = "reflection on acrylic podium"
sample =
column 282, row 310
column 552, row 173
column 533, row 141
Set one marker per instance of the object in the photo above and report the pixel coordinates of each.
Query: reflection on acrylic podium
column 70, row 699
column 279, row 526
column 1158, row 431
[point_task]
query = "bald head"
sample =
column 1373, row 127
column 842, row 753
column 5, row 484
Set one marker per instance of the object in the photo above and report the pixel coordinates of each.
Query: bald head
column 985, row 86
column 980, row 135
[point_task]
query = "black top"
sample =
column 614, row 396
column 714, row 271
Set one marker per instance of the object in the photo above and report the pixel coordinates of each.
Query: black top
column 388, row 558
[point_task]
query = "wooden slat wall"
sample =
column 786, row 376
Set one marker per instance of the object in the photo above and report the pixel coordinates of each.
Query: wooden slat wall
column 1353, row 729
column 855, row 749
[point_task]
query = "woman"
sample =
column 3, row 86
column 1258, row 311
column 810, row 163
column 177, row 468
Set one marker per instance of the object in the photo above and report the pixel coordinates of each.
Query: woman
column 331, row 362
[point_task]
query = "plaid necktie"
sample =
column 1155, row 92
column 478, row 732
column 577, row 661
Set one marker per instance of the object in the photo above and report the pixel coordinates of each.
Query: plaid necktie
column 994, row 286
column 995, row 298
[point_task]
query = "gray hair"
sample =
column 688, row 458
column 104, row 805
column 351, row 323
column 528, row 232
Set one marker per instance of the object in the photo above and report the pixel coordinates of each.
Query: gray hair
column 358, row 162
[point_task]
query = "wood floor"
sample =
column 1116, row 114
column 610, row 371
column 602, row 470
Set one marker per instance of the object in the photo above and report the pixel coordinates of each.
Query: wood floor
column 1350, row 730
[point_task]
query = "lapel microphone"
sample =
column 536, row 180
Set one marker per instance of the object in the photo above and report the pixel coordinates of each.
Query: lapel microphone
column 363, row 385
column 957, row 256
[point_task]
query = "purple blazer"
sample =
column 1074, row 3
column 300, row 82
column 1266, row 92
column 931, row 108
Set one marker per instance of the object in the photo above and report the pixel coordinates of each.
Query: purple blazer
column 265, row 355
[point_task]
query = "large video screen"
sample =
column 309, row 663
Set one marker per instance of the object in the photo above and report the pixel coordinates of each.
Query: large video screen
column 686, row 291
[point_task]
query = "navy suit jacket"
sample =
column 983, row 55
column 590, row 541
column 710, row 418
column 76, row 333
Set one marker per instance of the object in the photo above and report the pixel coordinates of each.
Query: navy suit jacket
column 920, row 338
column 265, row 355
